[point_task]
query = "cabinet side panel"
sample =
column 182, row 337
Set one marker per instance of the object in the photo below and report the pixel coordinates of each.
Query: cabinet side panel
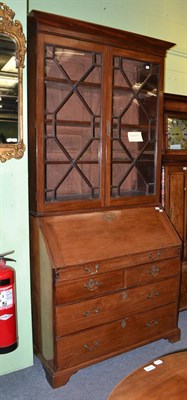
column 31, row 79
column 35, row 282
column 41, row 278
column 46, row 298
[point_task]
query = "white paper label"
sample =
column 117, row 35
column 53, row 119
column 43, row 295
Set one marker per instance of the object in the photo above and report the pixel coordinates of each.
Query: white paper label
column 175, row 146
column 158, row 362
column 149, row 368
column 135, row 136
column 6, row 297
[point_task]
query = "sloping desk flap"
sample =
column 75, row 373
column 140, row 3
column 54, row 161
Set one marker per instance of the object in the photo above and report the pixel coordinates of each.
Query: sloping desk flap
column 81, row 238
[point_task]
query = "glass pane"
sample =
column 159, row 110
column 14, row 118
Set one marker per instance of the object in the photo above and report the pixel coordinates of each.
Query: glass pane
column 134, row 127
column 72, row 123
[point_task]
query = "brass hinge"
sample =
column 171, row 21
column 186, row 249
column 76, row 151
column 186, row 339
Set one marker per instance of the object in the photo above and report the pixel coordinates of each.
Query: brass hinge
column 56, row 275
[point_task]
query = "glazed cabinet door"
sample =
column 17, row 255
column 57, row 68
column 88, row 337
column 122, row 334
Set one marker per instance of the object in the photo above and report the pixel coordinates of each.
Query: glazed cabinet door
column 69, row 123
column 133, row 146
column 97, row 126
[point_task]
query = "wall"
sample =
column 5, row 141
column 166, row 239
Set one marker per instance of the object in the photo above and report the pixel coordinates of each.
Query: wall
column 163, row 19
column 14, row 232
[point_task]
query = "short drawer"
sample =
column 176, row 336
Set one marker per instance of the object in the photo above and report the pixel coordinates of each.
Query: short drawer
column 86, row 314
column 69, row 292
column 112, row 338
column 100, row 267
column 152, row 272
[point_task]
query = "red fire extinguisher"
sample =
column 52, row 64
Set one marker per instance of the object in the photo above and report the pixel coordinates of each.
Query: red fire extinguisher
column 8, row 325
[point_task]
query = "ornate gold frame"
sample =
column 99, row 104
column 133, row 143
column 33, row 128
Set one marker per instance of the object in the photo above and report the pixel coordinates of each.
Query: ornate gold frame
column 14, row 30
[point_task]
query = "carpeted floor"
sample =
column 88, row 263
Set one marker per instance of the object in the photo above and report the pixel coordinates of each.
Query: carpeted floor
column 92, row 383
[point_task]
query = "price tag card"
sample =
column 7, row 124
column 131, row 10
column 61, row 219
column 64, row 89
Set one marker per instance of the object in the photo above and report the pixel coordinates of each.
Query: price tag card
column 135, row 136
column 149, row 368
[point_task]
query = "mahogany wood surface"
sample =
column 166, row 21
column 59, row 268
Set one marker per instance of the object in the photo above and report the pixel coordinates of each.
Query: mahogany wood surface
column 175, row 184
column 175, row 103
column 105, row 258
column 96, row 305
column 168, row 380
column 82, row 238
column 97, row 33
column 75, row 317
column 68, row 33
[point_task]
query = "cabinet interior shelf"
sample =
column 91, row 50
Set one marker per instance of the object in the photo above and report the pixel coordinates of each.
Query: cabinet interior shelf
column 64, row 82
column 86, row 124
column 69, row 162
column 94, row 85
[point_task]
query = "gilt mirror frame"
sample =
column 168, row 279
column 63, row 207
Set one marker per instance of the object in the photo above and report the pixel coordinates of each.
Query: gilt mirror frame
column 13, row 29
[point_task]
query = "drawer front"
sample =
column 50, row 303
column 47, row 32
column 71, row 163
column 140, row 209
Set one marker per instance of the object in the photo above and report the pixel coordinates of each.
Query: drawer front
column 109, row 339
column 83, row 315
column 69, row 292
column 94, row 268
column 152, row 272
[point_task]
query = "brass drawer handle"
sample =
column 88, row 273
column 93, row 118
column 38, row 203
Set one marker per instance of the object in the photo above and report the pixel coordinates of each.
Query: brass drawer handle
column 92, row 270
column 154, row 270
column 154, row 257
column 110, row 217
column 124, row 323
column 151, row 295
column 152, row 323
column 124, row 295
column 92, row 310
column 92, row 285
column 92, row 348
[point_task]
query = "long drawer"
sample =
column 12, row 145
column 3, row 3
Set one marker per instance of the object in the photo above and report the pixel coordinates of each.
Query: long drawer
column 107, row 340
column 76, row 317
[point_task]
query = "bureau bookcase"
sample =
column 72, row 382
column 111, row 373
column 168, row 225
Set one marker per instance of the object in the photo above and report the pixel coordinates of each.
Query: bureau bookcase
column 104, row 254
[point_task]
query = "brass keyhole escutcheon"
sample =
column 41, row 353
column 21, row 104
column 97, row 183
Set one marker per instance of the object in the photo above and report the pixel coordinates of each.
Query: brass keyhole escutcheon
column 154, row 270
column 92, row 285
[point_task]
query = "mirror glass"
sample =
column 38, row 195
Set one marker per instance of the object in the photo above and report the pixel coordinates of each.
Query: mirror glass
column 12, row 52
column 8, row 91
